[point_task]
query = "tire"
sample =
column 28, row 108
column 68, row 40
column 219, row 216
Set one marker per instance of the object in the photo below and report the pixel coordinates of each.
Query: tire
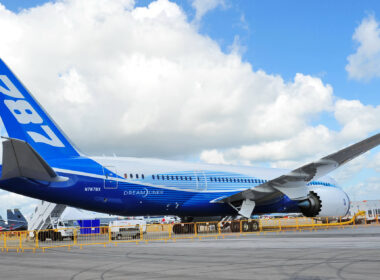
column 42, row 236
column 56, row 236
column 254, row 226
column 246, row 226
column 235, row 226
column 189, row 228
column 177, row 229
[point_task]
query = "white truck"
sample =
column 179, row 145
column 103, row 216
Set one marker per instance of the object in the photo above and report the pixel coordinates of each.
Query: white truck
column 127, row 229
column 57, row 231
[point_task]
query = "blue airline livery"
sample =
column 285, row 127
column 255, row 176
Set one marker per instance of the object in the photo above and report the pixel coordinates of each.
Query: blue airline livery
column 39, row 161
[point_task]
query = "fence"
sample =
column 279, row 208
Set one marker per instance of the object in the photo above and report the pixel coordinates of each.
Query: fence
column 84, row 236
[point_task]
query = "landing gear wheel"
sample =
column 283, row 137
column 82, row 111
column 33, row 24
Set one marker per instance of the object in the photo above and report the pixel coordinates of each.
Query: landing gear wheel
column 254, row 226
column 235, row 226
column 246, row 226
column 177, row 229
column 188, row 228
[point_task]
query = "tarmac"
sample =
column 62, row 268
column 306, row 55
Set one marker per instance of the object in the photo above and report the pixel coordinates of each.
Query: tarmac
column 349, row 253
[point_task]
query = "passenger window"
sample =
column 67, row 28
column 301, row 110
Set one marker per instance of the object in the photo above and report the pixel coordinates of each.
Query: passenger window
column 176, row 177
column 181, row 178
column 142, row 176
column 172, row 177
column 137, row 176
column 131, row 176
column 190, row 178
column 125, row 175
column 158, row 177
column 153, row 177
column 162, row 177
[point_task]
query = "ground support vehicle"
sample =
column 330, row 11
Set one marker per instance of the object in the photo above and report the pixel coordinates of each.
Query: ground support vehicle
column 127, row 229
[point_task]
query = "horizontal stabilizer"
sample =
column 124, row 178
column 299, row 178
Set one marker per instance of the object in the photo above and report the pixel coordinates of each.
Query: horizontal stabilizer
column 21, row 160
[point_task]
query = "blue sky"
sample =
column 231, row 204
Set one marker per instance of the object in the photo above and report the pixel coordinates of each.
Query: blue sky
column 280, row 37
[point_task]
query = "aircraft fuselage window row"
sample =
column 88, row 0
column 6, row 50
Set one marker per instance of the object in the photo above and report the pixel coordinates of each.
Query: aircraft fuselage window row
column 190, row 178
column 172, row 178
column 212, row 179
column 320, row 183
column 136, row 176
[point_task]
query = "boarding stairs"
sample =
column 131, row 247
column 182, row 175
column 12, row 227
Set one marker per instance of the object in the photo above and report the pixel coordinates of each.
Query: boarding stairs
column 44, row 214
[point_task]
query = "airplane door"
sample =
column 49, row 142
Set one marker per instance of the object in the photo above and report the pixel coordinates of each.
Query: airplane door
column 201, row 180
column 110, row 180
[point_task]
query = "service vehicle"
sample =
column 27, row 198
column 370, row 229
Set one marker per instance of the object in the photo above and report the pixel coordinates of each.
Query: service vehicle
column 127, row 229
column 58, row 231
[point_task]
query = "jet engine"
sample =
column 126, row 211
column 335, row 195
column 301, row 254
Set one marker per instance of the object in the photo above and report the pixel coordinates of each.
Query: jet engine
column 325, row 202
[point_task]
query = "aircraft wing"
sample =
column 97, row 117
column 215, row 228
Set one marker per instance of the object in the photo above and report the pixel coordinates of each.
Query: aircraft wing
column 294, row 184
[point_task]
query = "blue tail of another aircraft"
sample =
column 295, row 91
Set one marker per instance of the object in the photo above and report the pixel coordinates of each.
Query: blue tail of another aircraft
column 24, row 119
column 2, row 224
column 16, row 220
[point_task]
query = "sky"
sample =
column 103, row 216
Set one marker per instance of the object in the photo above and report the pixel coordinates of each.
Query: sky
column 261, row 83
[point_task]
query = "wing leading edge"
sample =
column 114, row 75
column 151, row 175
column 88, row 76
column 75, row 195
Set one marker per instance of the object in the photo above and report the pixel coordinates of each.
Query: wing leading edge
column 294, row 184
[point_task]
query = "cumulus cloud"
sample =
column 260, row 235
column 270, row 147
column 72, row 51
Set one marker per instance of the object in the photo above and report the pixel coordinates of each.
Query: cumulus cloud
column 11, row 200
column 149, row 80
column 213, row 156
column 375, row 164
column 356, row 119
column 369, row 189
column 364, row 64
column 203, row 6
column 142, row 81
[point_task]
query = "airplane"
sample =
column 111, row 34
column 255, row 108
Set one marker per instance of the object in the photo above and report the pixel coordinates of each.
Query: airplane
column 39, row 161
column 3, row 225
column 16, row 221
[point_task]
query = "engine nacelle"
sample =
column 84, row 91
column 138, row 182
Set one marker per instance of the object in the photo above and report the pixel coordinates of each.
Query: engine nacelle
column 325, row 202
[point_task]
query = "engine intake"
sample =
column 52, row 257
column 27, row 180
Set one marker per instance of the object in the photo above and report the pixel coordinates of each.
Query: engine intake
column 312, row 206
column 325, row 202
